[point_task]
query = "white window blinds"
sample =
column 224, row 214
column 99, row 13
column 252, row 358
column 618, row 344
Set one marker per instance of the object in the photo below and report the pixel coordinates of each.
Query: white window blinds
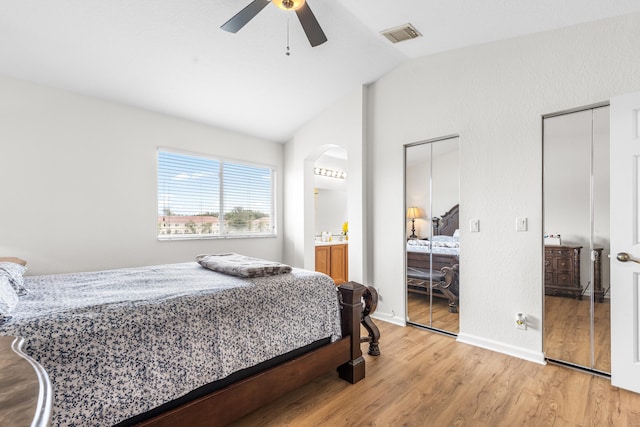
column 200, row 197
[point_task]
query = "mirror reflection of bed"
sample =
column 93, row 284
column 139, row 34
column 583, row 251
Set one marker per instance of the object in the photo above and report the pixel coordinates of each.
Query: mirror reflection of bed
column 432, row 247
column 432, row 274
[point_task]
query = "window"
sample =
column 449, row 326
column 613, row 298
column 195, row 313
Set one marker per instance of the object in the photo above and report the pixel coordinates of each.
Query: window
column 204, row 197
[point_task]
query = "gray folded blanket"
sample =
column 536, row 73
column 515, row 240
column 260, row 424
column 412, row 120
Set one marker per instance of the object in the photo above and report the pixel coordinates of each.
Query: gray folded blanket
column 241, row 265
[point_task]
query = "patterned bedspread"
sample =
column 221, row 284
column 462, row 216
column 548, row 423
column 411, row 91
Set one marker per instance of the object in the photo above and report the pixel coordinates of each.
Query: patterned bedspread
column 118, row 343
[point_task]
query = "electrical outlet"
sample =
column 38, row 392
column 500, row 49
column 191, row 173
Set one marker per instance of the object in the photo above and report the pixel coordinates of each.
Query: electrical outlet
column 521, row 321
column 474, row 225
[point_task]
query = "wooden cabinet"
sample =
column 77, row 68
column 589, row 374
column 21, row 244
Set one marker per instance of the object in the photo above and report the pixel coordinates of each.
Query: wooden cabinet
column 323, row 259
column 333, row 260
column 339, row 263
column 562, row 272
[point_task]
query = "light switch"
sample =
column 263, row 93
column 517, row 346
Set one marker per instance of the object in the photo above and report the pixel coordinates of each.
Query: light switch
column 521, row 224
column 474, row 225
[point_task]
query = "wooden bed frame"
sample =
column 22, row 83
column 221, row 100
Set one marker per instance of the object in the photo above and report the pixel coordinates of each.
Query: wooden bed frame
column 238, row 399
column 436, row 274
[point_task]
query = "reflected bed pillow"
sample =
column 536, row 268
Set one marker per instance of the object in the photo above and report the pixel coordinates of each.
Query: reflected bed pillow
column 442, row 243
column 444, row 239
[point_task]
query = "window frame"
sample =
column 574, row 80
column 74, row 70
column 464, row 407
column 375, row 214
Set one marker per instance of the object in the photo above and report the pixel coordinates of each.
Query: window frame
column 222, row 233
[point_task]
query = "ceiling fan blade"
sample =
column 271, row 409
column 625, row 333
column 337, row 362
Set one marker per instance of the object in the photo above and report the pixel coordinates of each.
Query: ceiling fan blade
column 239, row 20
column 310, row 25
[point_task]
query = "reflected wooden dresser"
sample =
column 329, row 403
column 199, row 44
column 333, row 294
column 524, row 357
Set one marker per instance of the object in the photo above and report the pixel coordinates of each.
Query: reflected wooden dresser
column 25, row 391
column 562, row 272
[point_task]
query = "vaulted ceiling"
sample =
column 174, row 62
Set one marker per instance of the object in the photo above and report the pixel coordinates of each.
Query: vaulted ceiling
column 171, row 56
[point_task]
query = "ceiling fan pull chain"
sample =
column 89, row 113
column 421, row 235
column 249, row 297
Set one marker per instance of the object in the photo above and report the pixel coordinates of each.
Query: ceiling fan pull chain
column 288, row 53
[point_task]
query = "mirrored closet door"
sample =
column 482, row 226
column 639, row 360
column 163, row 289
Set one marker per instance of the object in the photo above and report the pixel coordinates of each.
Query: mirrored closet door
column 432, row 236
column 576, row 238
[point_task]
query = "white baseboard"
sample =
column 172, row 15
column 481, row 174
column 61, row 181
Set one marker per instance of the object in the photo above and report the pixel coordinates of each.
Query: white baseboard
column 499, row 347
column 390, row 318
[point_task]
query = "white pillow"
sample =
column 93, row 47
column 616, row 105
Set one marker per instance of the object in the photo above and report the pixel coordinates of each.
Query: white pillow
column 443, row 238
column 8, row 297
column 456, row 233
column 14, row 272
column 414, row 242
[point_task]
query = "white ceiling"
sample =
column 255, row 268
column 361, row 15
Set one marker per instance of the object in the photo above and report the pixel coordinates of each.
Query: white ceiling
column 172, row 57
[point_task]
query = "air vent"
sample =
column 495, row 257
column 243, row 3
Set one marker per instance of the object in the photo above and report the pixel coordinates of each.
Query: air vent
column 401, row 33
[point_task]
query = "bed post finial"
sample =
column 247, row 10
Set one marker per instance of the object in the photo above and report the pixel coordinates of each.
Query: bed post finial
column 351, row 292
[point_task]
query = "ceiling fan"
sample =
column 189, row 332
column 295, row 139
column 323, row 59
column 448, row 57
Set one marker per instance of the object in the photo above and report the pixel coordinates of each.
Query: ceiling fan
column 305, row 15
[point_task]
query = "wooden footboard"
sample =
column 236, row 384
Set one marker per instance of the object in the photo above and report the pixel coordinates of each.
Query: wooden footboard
column 236, row 400
column 436, row 275
column 422, row 260
column 370, row 298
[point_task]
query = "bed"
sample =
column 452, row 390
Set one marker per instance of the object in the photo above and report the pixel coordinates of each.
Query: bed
column 180, row 344
column 433, row 264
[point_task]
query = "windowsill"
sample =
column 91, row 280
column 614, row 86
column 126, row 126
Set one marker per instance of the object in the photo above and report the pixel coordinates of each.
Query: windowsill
column 173, row 237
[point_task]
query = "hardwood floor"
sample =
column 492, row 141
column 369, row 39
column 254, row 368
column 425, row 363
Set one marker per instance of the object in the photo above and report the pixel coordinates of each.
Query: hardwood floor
column 567, row 331
column 426, row 379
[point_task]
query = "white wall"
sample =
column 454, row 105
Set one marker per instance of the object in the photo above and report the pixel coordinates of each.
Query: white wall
column 339, row 126
column 493, row 96
column 79, row 181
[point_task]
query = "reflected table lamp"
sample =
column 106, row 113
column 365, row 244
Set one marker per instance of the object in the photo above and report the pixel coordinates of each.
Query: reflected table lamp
column 412, row 214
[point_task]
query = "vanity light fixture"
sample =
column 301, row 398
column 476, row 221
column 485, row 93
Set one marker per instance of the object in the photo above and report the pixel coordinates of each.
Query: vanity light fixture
column 330, row 173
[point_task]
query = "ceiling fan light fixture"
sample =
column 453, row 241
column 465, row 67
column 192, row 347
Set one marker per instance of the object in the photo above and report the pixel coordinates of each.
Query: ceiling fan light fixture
column 307, row 19
column 289, row 4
